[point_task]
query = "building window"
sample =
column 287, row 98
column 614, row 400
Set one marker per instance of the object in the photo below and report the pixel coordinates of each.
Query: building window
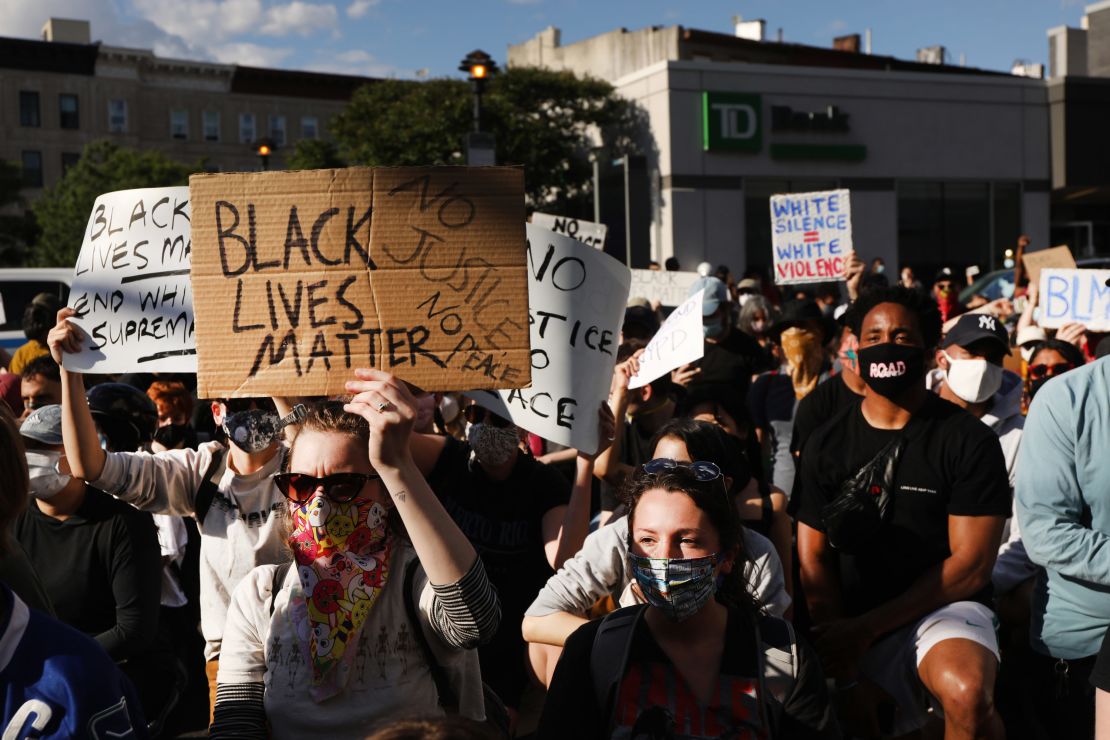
column 179, row 124
column 247, row 132
column 29, row 109
column 69, row 159
column 68, row 112
column 32, row 169
column 944, row 224
column 117, row 116
column 211, row 125
column 310, row 129
column 277, row 130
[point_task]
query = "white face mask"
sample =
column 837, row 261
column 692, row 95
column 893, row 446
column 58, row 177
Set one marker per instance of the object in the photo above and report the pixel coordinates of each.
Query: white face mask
column 743, row 298
column 46, row 481
column 973, row 380
column 758, row 327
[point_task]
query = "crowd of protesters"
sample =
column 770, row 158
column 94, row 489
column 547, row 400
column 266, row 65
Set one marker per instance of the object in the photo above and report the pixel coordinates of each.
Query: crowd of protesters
column 870, row 510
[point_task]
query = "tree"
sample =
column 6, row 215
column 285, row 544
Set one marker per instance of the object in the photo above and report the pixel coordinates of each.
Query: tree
column 541, row 119
column 63, row 210
column 315, row 154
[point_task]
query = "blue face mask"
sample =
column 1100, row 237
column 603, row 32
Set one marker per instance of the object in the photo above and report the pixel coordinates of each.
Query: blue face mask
column 679, row 587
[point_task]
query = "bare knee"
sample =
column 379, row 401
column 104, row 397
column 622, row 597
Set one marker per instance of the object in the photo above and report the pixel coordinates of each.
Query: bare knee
column 966, row 697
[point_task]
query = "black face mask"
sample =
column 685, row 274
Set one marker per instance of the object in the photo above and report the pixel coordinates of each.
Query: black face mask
column 891, row 369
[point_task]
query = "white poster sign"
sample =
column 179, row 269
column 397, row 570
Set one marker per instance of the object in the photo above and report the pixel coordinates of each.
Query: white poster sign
column 131, row 286
column 1074, row 296
column 811, row 236
column 668, row 288
column 576, row 299
column 588, row 232
column 678, row 341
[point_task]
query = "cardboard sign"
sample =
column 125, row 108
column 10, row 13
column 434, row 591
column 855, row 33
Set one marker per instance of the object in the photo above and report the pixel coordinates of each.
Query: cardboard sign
column 811, row 236
column 678, row 341
column 588, row 232
column 1054, row 257
column 669, row 288
column 1074, row 296
column 300, row 277
column 131, row 285
column 576, row 296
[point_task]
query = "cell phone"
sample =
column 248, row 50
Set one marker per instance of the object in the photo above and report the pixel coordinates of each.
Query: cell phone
column 973, row 271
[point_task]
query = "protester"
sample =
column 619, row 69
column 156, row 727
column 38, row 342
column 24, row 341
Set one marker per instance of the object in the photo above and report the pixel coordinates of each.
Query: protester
column 731, row 356
column 696, row 656
column 522, row 517
column 175, row 410
column 897, row 573
column 640, row 323
column 946, row 294
column 909, row 281
column 600, row 569
column 1048, row 359
column 1061, row 506
column 227, row 490
column 41, row 384
column 10, row 392
column 376, row 558
column 671, row 264
column 57, row 682
column 800, row 336
column 16, row 570
column 98, row 560
column 38, row 318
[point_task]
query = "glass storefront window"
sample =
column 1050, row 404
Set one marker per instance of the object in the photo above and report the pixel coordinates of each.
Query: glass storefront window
column 945, row 224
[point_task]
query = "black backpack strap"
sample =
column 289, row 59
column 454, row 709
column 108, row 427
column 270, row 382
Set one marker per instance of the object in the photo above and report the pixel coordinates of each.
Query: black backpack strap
column 209, row 485
column 447, row 698
column 609, row 657
column 277, row 582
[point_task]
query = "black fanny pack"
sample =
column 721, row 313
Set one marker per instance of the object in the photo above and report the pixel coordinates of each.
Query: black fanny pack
column 865, row 502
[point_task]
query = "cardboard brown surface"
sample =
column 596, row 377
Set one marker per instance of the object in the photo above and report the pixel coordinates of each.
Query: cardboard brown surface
column 300, row 277
column 1052, row 257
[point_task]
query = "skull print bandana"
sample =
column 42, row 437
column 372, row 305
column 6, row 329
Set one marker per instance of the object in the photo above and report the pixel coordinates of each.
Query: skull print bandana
column 341, row 552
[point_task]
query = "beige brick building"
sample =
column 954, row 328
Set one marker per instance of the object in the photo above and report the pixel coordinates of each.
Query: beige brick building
column 62, row 92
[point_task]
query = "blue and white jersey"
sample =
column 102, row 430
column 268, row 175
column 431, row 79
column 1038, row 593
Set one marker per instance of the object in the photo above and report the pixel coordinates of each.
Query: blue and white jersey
column 57, row 683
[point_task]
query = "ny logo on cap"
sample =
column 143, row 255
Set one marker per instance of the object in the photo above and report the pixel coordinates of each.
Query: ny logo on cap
column 987, row 322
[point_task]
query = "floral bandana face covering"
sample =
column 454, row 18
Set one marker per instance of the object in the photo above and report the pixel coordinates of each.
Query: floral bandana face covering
column 680, row 587
column 341, row 552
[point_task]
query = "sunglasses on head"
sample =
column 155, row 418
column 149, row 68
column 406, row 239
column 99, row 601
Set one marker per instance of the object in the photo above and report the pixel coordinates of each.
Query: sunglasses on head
column 480, row 415
column 701, row 470
column 1048, row 371
column 341, row 488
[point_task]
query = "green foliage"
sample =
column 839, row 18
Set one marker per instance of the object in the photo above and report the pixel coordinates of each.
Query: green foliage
column 541, row 119
column 63, row 210
column 315, row 154
column 17, row 228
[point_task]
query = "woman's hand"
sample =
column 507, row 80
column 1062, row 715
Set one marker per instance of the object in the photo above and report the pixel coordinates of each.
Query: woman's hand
column 606, row 431
column 64, row 337
column 390, row 410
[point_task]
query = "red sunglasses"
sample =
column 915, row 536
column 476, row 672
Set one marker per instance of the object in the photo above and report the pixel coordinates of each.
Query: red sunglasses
column 1049, row 371
column 339, row 487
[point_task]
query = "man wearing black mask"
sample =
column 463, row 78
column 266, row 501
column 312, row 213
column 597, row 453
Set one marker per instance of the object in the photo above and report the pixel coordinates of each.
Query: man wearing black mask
column 897, row 572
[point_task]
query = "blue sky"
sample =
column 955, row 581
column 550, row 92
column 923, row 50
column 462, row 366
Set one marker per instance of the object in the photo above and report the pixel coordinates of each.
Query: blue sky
column 400, row 37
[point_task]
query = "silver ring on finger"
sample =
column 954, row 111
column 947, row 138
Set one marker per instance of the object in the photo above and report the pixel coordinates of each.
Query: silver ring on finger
column 382, row 406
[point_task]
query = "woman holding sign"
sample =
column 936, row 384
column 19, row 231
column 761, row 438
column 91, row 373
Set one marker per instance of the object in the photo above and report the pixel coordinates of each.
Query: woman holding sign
column 385, row 599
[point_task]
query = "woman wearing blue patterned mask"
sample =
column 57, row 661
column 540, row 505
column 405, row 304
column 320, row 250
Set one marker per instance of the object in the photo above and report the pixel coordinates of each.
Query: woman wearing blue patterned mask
column 698, row 660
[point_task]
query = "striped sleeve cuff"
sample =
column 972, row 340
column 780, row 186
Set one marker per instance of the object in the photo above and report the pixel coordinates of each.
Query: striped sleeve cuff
column 240, row 711
column 466, row 613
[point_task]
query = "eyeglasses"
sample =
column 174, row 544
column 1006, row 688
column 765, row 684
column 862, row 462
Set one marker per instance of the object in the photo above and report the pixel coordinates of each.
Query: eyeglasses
column 1048, row 371
column 476, row 414
column 701, row 470
column 339, row 487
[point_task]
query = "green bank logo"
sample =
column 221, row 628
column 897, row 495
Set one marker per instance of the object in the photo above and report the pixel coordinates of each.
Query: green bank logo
column 731, row 122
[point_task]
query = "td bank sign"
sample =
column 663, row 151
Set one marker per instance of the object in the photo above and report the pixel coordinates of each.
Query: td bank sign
column 733, row 122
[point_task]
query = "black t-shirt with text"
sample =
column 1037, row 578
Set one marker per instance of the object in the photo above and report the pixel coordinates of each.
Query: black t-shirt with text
column 952, row 465
column 822, row 404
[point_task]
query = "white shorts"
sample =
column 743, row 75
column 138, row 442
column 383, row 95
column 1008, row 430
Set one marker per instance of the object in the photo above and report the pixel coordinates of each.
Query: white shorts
column 892, row 662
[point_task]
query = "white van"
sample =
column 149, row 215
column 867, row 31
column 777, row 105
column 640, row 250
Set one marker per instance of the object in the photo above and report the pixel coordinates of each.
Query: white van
column 18, row 287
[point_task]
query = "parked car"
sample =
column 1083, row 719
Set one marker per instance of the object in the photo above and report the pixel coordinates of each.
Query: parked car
column 18, row 287
column 1000, row 283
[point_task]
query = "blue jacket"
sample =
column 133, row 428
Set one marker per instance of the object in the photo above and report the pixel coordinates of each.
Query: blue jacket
column 1063, row 506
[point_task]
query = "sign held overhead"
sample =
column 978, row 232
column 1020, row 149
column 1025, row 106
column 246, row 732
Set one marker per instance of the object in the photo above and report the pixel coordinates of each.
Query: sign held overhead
column 131, row 285
column 1074, row 296
column 680, row 340
column 662, row 286
column 588, row 232
column 811, row 236
column 299, row 277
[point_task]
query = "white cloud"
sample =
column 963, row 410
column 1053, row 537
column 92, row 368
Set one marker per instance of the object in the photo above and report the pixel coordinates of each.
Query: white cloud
column 357, row 62
column 359, row 8
column 301, row 18
column 250, row 55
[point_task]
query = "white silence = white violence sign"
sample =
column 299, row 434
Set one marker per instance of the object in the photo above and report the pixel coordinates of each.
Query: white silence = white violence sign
column 680, row 340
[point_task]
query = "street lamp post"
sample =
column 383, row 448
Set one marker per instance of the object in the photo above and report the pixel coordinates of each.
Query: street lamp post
column 264, row 148
column 479, row 146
